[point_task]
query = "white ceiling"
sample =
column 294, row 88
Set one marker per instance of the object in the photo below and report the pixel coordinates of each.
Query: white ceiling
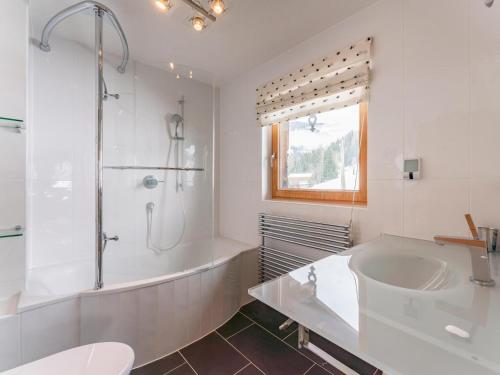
column 249, row 33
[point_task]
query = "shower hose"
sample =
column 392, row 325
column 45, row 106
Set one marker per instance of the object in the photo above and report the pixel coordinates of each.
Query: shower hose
column 149, row 213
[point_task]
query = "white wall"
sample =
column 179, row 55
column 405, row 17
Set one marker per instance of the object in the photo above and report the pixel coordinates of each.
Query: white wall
column 435, row 94
column 13, row 44
column 62, row 156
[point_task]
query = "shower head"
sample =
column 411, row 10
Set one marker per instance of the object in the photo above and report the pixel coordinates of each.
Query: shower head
column 176, row 118
column 178, row 123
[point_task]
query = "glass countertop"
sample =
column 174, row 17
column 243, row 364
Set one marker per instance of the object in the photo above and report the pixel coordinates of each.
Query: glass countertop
column 453, row 330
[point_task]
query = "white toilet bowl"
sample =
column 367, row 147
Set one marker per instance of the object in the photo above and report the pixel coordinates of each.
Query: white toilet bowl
column 107, row 358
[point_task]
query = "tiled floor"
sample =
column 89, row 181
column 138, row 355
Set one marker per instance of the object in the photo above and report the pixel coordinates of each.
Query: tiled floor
column 251, row 344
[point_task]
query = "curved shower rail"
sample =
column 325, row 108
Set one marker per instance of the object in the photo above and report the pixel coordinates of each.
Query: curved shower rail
column 80, row 7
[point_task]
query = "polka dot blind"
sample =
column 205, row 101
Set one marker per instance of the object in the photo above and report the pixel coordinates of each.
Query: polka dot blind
column 335, row 81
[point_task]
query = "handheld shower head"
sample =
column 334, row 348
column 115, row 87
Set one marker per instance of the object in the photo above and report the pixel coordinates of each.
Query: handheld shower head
column 178, row 121
column 176, row 118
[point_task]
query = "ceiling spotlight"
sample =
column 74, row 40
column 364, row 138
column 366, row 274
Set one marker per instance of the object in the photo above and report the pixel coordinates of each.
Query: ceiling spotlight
column 218, row 6
column 198, row 23
column 172, row 66
column 163, row 5
column 178, row 76
column 190, row 74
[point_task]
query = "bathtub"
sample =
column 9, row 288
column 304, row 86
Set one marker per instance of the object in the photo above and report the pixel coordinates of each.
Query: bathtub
column 155, row 303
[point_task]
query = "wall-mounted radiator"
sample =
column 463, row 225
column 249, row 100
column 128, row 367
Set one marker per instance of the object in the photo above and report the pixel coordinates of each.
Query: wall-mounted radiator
column 290, row 243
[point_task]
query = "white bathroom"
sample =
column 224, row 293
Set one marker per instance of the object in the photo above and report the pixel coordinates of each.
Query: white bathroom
column 278, row 187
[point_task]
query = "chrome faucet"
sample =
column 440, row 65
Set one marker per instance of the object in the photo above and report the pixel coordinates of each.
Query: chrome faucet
column 478, row 250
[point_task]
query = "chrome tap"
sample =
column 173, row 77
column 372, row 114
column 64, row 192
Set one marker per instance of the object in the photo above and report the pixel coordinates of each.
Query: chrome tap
column 478, row 250
column 105, row 238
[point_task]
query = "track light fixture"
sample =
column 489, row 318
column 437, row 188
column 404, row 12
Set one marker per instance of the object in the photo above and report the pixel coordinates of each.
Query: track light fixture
column 163, row 5
column 217, row 7
column 198, row 23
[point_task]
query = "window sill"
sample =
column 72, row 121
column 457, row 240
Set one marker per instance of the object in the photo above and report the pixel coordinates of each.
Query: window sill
column 309, row 202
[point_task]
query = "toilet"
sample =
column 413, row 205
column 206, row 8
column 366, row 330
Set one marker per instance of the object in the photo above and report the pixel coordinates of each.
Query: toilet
column 107, row 358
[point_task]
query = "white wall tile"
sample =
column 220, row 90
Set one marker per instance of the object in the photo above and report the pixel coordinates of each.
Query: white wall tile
column 436, row 207
column 50, row 329
column 13, row 79
column 433, row 95
column 484, row 202
column 10, row 342
column 135, row 133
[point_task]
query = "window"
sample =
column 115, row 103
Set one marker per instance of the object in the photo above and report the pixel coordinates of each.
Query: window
column 322, row 157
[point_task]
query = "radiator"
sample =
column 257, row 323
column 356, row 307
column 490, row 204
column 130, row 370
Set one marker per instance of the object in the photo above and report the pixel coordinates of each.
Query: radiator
column 290, row 243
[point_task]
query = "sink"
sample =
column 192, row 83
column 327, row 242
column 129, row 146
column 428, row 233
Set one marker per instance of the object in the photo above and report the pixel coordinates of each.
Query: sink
column 404, row 271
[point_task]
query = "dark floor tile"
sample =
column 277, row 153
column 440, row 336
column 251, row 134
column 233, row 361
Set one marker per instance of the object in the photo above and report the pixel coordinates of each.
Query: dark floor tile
column 250, row 370
column 268, row 353
column 316, row 370
column 183, row 370
column 348, row 359
column 212, row 355
column 292, row 340
column 160, row 366
column 267, row 317
column 236, row 324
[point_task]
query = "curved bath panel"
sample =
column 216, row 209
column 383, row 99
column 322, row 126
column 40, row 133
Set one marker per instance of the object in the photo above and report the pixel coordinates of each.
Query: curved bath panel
column 155, row 315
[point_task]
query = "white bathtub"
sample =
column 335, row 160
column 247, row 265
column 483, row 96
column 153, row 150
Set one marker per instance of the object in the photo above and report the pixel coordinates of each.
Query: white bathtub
column 46, row 284
column 155, row 303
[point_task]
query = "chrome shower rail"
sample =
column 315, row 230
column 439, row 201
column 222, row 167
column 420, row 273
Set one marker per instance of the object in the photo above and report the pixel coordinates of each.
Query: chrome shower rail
column 99, row 11
column 80, row 7
column 125, row 167
column 283, row 231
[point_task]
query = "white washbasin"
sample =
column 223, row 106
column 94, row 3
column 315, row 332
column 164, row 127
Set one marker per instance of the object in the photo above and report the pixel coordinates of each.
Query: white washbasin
column 404, row 270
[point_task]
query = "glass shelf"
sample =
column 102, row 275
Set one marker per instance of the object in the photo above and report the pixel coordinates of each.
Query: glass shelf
column 17, row 231
column 11, row 123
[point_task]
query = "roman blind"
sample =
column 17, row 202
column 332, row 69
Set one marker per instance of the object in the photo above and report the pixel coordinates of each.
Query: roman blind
column 335, row 81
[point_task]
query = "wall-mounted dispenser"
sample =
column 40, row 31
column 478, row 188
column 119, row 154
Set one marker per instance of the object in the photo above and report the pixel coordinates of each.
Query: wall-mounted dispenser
column 412, row 169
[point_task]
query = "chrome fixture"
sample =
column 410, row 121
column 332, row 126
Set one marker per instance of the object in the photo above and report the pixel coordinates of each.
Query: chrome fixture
column 217, row 7
column 490, row 236
column 150, row 182
column 106, row 239
column 178, row 133
column 489, row 3
column 176, row 136
column 124, row 167
column 99, row 11
column 107, row 94
column 479, row 257
column 198, row 8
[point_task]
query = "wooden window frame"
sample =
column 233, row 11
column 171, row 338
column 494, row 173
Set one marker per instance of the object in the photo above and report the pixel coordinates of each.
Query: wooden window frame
column 326, row 196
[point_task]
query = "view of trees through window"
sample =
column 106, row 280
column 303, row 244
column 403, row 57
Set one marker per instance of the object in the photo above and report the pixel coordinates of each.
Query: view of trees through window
column 321, row 152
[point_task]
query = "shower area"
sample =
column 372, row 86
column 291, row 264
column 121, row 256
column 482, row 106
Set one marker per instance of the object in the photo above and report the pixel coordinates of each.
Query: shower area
column 119, row 242
column 121, row 152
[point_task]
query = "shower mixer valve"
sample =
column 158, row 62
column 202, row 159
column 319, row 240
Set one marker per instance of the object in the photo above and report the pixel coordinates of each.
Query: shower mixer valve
column 151, row 182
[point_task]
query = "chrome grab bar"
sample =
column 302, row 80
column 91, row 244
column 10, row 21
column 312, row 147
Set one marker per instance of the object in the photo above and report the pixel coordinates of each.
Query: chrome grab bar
column 124, row 167
column 80, row 7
